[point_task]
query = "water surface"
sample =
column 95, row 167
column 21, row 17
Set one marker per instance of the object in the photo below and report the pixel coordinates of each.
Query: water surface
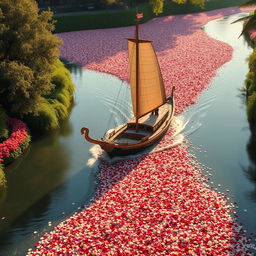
column 224, row 131
column 52, row 180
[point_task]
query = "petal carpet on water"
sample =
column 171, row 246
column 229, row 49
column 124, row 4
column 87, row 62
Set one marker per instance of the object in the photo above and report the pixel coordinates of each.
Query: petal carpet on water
column 159, row 203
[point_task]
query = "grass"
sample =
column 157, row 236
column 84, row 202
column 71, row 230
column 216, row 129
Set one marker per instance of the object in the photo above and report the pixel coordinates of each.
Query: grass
column 55, row 106
column 120, row 18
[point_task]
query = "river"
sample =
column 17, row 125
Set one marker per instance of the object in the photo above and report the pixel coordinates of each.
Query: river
column 53, row 179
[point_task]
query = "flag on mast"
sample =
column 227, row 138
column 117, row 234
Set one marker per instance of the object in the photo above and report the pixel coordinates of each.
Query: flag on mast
column 139, row 15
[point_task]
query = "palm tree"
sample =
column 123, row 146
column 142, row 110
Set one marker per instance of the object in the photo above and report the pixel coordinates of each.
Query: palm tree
column 251, row 19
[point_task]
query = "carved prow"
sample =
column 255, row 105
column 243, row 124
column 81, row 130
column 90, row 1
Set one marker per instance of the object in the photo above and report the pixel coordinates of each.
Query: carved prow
column 85, row 132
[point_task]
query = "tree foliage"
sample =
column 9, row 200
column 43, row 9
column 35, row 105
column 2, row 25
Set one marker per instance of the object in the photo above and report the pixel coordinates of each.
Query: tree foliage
column 3, row 125
column 158, row 5
column 28, row 50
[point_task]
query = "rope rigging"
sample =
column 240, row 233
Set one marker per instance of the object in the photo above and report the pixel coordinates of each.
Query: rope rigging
column 114, row 107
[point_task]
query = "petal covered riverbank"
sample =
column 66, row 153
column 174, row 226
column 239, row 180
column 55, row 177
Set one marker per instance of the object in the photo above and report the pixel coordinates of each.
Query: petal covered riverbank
column 188, row 57
column 158, row 204
column 18, row 136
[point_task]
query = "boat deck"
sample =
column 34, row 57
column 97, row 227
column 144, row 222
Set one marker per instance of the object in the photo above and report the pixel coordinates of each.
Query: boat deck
column 151, row 119
column 148, row 125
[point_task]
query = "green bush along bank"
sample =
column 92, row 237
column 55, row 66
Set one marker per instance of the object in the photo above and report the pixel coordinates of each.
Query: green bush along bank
column 3, row 125
column 31, row 74
column 2, row 183
column 55, row 106
column 250, row 84
column 120, row 18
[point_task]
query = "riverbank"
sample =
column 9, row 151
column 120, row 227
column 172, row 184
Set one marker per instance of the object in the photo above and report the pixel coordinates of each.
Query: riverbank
column 161, row 199
column 187, row 56
column 109, row 18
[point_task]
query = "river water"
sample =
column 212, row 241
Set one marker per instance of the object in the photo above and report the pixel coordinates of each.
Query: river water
column 53, row 179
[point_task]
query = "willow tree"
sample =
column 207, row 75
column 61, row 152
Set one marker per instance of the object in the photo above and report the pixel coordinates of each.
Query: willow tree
column 28, row 50
column 159, row 4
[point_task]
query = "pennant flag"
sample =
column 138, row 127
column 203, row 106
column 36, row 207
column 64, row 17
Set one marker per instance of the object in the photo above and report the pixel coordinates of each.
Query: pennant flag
column 139, row 15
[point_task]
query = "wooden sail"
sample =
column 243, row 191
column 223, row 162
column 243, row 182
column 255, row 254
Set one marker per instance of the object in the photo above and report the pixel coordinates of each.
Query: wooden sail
column 151, row 92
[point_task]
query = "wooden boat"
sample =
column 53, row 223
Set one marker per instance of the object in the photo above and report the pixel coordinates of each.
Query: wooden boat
column 153, row 111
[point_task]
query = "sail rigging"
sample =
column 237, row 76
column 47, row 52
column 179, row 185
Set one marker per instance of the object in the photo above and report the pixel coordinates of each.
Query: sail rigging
column 148, row 94
column 151, row 92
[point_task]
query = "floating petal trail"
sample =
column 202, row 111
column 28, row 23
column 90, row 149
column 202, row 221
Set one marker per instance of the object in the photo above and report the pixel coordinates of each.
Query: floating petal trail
column 159, row 203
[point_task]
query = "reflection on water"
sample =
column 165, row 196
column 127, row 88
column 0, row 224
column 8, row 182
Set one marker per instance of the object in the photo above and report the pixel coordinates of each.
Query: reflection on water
column 250, row 170
column 225, row 133
column 51, row 180
column 32, row 181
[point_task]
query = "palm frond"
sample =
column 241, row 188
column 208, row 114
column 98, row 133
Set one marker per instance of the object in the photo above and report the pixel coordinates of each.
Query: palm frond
column 249, row 25
column 244, row 18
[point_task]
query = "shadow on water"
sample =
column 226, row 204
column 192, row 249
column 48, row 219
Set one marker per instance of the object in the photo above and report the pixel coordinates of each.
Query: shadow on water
column 30, row 183
column 224, row 138
column 250, row 169
column 44, row 171
column 52, row 180
column 47, row 211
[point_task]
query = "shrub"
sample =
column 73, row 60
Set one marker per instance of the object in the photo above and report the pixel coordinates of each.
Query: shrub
column 18, row 136
column 54, row 107
column 3, row 125
column 45, row 120
column 251, row 107
column 252, row 61
column 64, row 88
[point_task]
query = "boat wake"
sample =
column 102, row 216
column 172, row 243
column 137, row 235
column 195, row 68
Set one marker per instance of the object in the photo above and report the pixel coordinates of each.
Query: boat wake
column 193, row 116
column 182, row 127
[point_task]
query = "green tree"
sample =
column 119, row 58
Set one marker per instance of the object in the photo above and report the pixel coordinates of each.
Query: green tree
column 28, row 51
column 158, row 5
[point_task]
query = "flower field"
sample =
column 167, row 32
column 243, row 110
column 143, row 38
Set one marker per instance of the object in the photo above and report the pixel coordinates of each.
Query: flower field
column 10, row 148
column 160, row 203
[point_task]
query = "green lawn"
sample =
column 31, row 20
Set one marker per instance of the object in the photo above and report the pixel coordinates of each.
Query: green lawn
column 120, row 18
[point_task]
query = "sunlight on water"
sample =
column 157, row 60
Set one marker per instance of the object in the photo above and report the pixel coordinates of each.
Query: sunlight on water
column 118, row 102
column 121, row 110
column 192, row 117
column 182, row 126
column 117, row 99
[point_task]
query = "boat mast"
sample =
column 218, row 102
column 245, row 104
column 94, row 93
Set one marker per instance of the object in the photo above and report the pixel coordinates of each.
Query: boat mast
column 137, row 69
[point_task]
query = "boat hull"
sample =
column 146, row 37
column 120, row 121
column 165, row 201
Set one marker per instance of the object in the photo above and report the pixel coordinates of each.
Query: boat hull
column 124, row 151
column 113, row 147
